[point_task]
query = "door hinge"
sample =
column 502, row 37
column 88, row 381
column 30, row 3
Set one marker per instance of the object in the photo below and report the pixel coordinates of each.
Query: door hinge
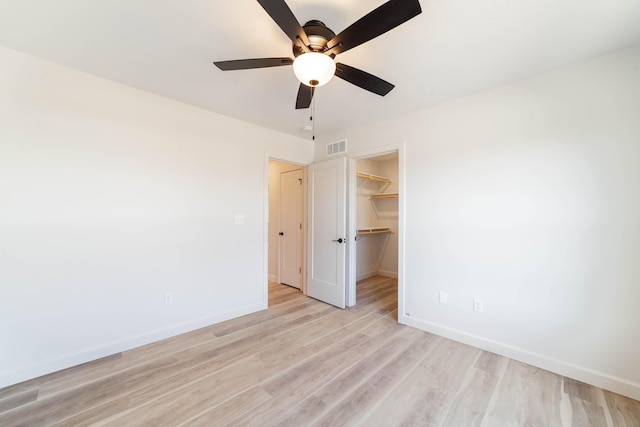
column 300, row 226
column 300, row 270
column 300, row 180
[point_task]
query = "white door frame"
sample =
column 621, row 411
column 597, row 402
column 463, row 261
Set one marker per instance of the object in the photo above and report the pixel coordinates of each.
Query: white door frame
column 265, row 225
column 351, row 221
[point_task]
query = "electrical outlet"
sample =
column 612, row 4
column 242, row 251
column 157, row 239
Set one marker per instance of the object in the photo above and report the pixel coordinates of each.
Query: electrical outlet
column 168, row 298
column 477, row 305
column 443, row 298
column 239, row 219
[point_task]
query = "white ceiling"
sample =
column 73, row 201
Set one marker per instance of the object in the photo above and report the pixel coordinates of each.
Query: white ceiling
column 455, row 47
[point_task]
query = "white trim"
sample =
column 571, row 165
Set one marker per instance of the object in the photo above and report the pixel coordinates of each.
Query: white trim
column 402, row 192
column 352, row 195
column 74, row 359
column 372, row 273
column 265, row 230
column 366, row 275
column 391, row 274
column 580, row 373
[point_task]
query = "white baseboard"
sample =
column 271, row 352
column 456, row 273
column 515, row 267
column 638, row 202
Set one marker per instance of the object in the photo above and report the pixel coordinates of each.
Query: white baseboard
column 580, row 373
column 392, row 274
column 366, row 275
column 14, row 377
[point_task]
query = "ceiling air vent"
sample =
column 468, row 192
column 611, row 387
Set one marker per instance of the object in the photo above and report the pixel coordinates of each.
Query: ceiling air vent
column 337, row 147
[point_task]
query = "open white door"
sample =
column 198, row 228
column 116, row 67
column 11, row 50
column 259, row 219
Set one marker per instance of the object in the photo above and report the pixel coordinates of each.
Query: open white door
column 327, row 232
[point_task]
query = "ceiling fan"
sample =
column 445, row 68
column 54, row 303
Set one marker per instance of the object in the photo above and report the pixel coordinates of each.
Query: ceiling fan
column 315, row 47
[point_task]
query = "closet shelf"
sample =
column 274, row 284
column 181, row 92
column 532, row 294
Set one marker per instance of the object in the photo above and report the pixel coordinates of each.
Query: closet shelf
column 375, row 230
column 373, row 177
column 384, row 196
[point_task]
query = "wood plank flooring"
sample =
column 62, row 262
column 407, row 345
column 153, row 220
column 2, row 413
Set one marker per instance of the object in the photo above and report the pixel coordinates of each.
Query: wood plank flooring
column 304, row 363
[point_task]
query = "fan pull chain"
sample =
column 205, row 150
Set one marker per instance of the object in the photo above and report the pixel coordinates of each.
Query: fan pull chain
column 313, row 115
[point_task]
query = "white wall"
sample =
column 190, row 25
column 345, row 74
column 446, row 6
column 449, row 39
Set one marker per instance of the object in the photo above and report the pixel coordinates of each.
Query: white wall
column 527, row 197
column 109, row 198
column 275, row 169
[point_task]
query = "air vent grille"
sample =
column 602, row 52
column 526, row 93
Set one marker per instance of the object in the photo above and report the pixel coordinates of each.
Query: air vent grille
column 337, row 147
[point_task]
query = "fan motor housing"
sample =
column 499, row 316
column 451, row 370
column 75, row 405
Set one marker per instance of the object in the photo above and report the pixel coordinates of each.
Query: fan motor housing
column 318, row 34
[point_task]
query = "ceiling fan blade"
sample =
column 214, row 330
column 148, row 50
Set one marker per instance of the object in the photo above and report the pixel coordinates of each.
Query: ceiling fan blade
column 286, row 20
column 363, row 79
column 377, row 22
column 305, row 95
column 247, row 64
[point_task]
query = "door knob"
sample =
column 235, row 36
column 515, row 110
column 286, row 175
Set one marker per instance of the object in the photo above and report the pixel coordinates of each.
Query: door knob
column 340, row 240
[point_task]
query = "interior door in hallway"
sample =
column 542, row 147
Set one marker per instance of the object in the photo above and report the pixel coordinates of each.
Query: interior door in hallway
column 290, row 234
column 327, row 240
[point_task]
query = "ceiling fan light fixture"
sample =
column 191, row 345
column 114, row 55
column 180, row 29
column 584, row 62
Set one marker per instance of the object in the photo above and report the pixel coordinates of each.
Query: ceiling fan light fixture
column 314, row 69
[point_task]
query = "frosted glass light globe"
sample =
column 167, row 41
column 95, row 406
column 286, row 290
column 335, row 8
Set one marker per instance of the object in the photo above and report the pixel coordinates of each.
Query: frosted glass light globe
column 314, row 69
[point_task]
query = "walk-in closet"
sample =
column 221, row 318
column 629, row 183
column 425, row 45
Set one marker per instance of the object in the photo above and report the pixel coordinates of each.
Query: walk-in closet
column 377, row 217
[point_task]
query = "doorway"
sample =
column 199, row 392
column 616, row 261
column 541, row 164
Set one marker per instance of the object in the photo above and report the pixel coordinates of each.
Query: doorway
column 375, row 203
column 376, row 216
column 286, row 223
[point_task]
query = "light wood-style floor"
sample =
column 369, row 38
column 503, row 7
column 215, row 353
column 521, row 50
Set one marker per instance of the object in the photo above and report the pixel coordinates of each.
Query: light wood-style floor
column 303, row 363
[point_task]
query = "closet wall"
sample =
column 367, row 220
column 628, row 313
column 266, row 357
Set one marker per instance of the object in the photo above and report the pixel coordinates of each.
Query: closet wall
column 377, row 217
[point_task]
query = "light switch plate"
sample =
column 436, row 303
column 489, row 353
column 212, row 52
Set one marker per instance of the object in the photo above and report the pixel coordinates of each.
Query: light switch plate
column 443, row 298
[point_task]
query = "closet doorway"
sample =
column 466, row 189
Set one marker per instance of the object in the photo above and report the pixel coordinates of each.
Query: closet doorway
column 376, row 216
